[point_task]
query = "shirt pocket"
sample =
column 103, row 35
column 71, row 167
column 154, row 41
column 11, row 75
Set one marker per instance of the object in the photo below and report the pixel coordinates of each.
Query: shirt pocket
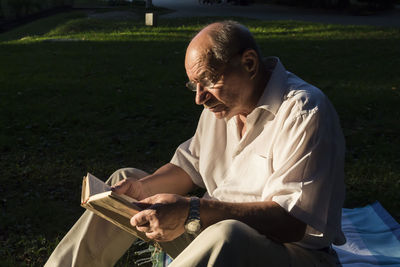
column 254, row 175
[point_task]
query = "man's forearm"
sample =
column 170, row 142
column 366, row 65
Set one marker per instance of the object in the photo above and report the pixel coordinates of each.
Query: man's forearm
column 267, row 217
column 168, row 179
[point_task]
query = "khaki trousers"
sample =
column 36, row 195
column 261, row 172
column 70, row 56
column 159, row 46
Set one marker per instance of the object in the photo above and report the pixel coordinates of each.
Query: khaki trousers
column 93, row 241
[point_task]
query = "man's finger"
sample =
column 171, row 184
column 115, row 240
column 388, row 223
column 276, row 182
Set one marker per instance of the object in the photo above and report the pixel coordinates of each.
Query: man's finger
column 121, row 187
column 140, row 219
column 145, row 229
column 149, row 200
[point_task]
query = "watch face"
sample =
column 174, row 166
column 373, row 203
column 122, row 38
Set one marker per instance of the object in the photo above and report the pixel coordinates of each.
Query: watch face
column 193, row 226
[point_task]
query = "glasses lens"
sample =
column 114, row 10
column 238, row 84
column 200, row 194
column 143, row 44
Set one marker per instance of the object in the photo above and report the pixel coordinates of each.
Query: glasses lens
column 205, row 83
column 192, row 86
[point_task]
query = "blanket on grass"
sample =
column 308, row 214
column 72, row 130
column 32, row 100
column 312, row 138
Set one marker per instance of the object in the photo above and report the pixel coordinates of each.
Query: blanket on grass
column 373, row 238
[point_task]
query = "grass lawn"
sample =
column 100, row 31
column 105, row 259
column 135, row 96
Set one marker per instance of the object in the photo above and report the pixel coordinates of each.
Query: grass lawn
column 84, row 95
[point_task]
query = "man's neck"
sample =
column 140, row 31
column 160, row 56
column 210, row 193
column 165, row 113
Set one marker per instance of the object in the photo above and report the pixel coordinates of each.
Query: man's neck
column 260, row 82
column 241, row 124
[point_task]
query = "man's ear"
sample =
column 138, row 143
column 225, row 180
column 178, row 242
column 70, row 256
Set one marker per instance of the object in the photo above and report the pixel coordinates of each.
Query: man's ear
column 250, row 62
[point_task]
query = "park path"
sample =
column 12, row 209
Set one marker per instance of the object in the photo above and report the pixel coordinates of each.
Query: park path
column 191, row 8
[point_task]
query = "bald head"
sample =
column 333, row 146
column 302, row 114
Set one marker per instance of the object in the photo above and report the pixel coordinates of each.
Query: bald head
column 218, row 42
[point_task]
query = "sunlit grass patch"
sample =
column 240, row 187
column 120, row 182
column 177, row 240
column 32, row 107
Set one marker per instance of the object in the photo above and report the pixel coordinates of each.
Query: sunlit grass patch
column 319, row 31
column 78, row 26
column 89, row 29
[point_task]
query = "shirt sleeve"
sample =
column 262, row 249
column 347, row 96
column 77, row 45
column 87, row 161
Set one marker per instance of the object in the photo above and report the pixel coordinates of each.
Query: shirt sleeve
column 187, row 156
column 308, row 158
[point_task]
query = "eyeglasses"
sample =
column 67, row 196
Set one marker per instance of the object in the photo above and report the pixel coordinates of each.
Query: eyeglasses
column 205, row 83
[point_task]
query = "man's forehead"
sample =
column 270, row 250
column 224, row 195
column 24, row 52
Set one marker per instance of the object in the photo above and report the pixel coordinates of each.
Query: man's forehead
column 196, row 69
column 196, row 60
column 197, row 53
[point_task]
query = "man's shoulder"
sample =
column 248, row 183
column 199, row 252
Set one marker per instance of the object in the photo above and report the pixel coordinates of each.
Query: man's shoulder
column 302, row 96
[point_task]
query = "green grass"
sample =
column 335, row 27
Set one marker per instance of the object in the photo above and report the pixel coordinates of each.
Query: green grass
column 81, row 95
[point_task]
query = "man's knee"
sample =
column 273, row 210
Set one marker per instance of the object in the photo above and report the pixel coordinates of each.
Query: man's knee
column 231, row 235
column 232, row 243
column 229, row 231
column 124, row 173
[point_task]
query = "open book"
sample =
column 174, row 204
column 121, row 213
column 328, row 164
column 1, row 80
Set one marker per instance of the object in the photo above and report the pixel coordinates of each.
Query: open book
column 118, row 209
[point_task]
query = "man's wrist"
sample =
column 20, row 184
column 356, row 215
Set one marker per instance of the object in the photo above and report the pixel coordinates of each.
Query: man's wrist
column 193, row 224
column 145, row 187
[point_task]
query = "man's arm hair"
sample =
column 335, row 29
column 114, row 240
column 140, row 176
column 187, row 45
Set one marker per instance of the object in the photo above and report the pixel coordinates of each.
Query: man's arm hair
column 168, row 179
column 267, row 217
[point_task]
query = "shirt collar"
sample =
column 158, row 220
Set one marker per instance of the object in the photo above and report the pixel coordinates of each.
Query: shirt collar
column 272, row 97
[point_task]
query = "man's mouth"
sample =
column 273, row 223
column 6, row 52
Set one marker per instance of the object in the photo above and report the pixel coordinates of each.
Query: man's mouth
column 216, row 108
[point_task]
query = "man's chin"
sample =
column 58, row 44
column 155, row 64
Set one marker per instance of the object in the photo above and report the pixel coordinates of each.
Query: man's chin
column 218, row 110
column 221, row 114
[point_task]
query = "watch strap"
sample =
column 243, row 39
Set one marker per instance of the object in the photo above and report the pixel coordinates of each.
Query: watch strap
column 194, row 209
column 193, row 224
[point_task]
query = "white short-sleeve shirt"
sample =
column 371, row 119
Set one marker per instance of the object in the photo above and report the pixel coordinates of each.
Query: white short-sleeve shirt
column 292, row 153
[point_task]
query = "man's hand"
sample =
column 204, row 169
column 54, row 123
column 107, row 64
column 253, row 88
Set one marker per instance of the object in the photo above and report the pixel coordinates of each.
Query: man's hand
column 164, row 220
column 130, row 187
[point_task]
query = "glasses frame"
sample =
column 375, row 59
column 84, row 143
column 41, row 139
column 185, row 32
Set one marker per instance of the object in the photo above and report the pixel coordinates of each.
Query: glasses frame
column 205, row 83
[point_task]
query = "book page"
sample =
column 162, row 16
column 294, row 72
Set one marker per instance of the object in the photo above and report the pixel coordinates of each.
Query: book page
column 96, row 186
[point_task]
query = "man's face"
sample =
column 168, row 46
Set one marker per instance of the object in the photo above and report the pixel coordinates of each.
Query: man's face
column 227, row 97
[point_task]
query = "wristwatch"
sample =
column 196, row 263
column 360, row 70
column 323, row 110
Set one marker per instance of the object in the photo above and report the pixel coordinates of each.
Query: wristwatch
column 192, row 224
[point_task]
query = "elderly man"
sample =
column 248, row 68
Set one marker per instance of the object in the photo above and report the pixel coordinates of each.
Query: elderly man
column 269, row 151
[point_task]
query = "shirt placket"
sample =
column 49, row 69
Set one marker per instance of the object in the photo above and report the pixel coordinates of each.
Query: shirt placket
column 246, row 138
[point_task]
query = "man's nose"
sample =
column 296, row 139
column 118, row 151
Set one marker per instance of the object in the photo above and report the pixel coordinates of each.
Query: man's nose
column 202, row 95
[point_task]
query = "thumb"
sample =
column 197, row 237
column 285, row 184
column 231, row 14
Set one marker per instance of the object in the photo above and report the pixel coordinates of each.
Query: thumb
column 152, row 202
column 149, row 200
column 121, row 187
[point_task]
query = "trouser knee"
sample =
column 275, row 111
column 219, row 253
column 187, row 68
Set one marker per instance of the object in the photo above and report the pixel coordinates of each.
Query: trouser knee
column 229, row 231
column 224, row 244
column 125, row 173
column 232, row 243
